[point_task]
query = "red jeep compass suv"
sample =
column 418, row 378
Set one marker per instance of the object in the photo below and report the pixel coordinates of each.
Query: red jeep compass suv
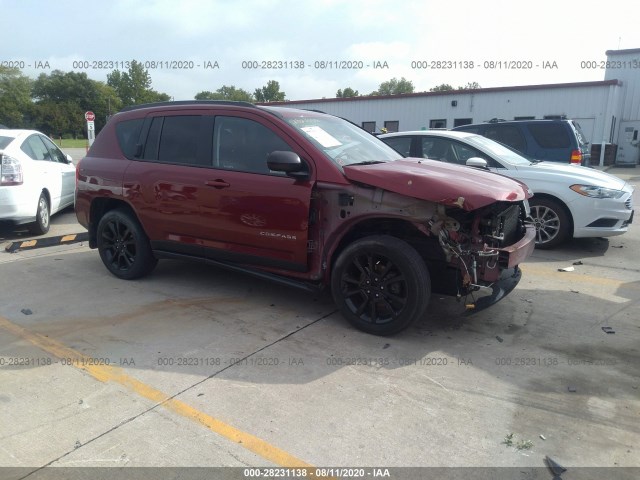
column 303, row 198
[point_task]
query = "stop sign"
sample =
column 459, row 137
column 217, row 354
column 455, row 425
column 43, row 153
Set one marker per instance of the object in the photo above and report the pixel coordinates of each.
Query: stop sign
column 89, row 116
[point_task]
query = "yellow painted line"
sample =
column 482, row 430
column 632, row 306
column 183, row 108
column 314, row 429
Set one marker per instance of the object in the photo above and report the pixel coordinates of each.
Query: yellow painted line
column 107, row 373
column 28, row 243
column 68, row 238
column 575, row 276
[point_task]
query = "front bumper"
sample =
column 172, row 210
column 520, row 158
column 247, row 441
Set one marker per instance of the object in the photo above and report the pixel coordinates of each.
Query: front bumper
column 487, row 296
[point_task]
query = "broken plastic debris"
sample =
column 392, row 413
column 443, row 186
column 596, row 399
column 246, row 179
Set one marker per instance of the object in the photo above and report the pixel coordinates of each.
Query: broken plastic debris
column 608, row 330
column 500, row 339
column 579, row 262
column 572, row 389
column 386, row 345
column 575, row 291
column 617, row 246
column 566, row 269
column 26, row 311
column 470, row 306
column 543, row 437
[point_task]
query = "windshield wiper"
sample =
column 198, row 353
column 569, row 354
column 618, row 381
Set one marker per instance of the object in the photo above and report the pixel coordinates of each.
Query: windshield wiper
column 366, row 162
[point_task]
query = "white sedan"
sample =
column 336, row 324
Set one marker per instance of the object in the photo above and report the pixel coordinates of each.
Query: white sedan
column 36, row 179
column 569, row 200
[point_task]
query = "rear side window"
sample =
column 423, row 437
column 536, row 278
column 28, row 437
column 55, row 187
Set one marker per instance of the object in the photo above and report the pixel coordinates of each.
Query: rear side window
column 34, row 147
column 552, row 135
column 402, row 145
column 179, row 139
column 128, row 133
column 508, row 135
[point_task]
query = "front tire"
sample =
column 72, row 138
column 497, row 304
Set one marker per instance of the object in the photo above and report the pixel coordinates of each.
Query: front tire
column 551, row 221
column 43, row 217
column 381, row 284
column 124, row 246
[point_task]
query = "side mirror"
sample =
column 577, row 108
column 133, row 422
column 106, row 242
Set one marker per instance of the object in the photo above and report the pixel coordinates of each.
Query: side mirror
column 477, row 162
column 289, row 163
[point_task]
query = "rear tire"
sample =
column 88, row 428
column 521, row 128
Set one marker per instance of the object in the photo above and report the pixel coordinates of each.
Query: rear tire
column 124, row 246
column 43, row 217
column 552, row 223
column 381, row 284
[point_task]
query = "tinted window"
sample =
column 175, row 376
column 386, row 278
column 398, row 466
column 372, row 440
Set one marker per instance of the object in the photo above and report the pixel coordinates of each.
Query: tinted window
column 4, row 141
column 550, row 135
column 128, row 133
column 179, row 140
column 469, row 129
column 243, row 145
column 402, row 145
column 507, row 134
column 55, row 154
column 34, row 147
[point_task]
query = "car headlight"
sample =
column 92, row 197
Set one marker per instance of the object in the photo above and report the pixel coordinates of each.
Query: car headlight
column 596, row 192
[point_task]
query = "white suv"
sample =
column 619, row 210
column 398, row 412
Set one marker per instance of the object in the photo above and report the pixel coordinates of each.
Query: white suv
column 36, row 179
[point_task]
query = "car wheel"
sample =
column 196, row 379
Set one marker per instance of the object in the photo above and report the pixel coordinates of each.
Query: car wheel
column 381, row 284
column 124, row 247
column 43, row 217
column 551, row 222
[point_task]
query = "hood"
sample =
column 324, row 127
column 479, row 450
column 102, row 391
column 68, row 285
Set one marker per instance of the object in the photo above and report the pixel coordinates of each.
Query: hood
column 568, row 174
column 452, row 185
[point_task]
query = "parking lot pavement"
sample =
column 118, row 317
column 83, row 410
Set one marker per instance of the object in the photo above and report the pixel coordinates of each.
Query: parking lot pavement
column 195, row 366
column 280, row 366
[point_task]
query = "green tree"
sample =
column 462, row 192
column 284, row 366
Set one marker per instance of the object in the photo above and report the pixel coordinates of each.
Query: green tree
column 15, row 97
column 226, row 93
column 443, row 87
column 394, row 87
column 134, row 86
column 75, row 93
column 347, row 92
column 470, row 86
column 269, row 93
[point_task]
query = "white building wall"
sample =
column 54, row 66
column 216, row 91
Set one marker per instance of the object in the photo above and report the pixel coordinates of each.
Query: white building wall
column 587, row 104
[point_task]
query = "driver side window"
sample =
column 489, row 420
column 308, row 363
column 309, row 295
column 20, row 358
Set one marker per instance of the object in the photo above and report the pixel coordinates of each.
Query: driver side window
column 243, row 145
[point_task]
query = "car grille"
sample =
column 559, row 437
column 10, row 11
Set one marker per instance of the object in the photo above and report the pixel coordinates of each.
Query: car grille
column 629, row 203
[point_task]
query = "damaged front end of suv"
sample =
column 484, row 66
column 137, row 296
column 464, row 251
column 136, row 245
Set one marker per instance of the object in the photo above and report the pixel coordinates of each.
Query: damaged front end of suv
column 468, row 227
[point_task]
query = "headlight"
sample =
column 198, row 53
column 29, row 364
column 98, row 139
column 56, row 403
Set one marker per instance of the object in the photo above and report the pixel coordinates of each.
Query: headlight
column 596, row 192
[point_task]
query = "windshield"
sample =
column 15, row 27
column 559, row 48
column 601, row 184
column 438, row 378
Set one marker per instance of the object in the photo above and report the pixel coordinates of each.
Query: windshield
column 495, row 149
column 342, row 142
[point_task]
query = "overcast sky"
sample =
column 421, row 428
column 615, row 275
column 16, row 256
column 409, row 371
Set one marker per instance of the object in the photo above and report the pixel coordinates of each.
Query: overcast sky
column 396, row 32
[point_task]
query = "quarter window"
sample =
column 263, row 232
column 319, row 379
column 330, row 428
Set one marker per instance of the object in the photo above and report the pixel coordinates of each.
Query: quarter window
column 35, row 149
column 55, row 154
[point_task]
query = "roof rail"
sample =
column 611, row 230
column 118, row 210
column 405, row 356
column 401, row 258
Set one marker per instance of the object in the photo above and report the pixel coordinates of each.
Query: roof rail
column 188, row 102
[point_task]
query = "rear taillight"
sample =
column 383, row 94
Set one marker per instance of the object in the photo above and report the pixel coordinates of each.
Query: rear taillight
column 576, row 157
column 10, row 171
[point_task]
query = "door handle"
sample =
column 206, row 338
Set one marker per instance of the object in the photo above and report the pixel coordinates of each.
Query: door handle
column 217, row 183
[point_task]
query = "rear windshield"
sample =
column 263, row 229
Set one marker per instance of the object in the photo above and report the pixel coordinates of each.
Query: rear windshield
column 550, row 135
column 4, row 141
